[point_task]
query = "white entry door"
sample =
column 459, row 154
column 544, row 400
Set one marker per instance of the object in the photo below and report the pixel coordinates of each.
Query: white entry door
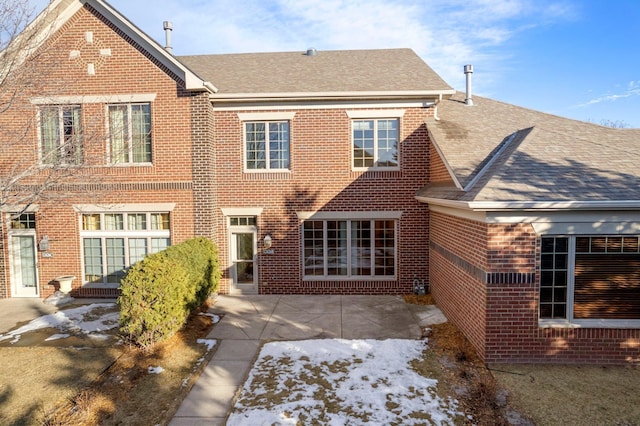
column 244, row 267
column 24, row 268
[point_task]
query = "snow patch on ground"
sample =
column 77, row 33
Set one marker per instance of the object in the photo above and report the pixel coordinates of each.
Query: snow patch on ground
column 210, row 343
column 214, row 318
column 83, row 319
column 359, row 381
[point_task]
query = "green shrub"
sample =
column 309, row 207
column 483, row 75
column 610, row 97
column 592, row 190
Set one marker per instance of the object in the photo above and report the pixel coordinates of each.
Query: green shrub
column 199, row 257
column 160, row 291
column 154, row 300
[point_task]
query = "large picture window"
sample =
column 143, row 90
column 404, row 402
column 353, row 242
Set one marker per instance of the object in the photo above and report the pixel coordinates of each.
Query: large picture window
column 375, row 143
column 267, row 145
column 112, row 242
column 130, row 133
column 590, row 278
column 349, row 248
column 61, row 135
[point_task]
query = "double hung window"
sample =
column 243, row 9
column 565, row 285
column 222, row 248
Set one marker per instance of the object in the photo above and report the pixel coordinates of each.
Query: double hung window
column 588, row 279
column 267, row 145
column 112, row 242
column 130, row 133
column 61, row 135
column 349, row 248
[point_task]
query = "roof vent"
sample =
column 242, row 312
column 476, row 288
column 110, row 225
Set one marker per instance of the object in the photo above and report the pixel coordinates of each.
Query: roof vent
column 468, row 70
column 168, row 27
column 312, row 51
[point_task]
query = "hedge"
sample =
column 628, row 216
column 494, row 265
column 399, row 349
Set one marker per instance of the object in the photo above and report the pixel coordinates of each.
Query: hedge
column 160, row 291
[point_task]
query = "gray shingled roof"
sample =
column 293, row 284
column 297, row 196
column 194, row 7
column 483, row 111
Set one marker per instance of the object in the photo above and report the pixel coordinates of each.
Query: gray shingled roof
column 544, row 157
column 386, row 70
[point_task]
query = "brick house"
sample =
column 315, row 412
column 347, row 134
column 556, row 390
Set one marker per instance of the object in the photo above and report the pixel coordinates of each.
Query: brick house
column 330, row 172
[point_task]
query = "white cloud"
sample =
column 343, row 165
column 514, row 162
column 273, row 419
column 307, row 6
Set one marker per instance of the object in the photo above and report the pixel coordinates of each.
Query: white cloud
column 632, row 89
column 446, row 34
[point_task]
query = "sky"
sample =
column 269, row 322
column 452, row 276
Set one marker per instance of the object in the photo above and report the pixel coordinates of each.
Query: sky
column 573, row 58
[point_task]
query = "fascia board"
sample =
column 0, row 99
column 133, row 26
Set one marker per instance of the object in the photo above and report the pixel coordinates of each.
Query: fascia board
column 432, row 94
column 488, row 206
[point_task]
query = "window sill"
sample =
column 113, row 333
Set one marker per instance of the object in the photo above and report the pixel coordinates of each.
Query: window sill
column 130, row 165
column 346, row 278
column 100, row 285
column 595, row 323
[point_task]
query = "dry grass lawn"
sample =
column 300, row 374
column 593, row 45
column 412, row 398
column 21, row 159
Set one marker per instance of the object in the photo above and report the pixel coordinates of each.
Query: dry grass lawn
column 45, row 385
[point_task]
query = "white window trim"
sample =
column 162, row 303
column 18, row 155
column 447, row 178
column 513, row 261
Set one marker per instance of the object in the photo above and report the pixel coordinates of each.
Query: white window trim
column 124, row 233
column 129, row 163
column 266, row 116
column 350, row 277
column 95, row 99
column 60, row 130
column 375, row 113
column 242, row 211
column 124, row 208
column 267, row 169
column 375, row 118
column 570, row 321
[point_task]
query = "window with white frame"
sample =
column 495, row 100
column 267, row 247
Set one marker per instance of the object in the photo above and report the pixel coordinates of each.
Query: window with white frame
column 587, row 279
column 349, row 249
column 375, row 143
column 61, row 134
column 267, row 145
column 112, row 242
column 129, row 133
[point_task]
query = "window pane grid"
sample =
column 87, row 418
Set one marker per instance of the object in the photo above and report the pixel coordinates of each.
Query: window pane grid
column 118, row 240
column 61, row 135
column 24, row 221
column 267, row 145
column 553, row 277
column 349, row 248
column 375, row 143
column 130, row 133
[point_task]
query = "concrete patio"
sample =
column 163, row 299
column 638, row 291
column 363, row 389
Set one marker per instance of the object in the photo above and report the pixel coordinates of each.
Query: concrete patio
column 249, row 320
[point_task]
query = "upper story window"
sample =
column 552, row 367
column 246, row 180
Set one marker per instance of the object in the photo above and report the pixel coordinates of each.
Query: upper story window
column 130, row 133
column 61, row 134
column 267, row 145
column 375, row 143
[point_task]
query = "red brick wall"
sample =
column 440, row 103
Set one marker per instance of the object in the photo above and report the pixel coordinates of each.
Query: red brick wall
column 129, row 70
column 321, row 179
column 499, row 313
column 458, row 257
column 437, row 170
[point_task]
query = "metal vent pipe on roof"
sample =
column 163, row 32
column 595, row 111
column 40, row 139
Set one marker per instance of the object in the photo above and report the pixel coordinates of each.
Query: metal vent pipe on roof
column 312, row 52
column 468, row 70
column 168, row 27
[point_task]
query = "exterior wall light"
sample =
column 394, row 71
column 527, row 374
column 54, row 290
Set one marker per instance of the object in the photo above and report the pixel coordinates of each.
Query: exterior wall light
column 267, row 241
column 43, row 245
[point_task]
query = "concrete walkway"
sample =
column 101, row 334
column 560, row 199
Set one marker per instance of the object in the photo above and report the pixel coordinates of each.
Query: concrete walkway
column 248, row 320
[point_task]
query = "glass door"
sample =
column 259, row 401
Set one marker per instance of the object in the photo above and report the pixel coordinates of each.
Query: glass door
column 243, row 259
column 24, row 273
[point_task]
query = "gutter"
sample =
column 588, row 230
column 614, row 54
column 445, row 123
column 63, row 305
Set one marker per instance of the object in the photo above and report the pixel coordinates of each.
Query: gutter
column 279, row 96
column 532, row 205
